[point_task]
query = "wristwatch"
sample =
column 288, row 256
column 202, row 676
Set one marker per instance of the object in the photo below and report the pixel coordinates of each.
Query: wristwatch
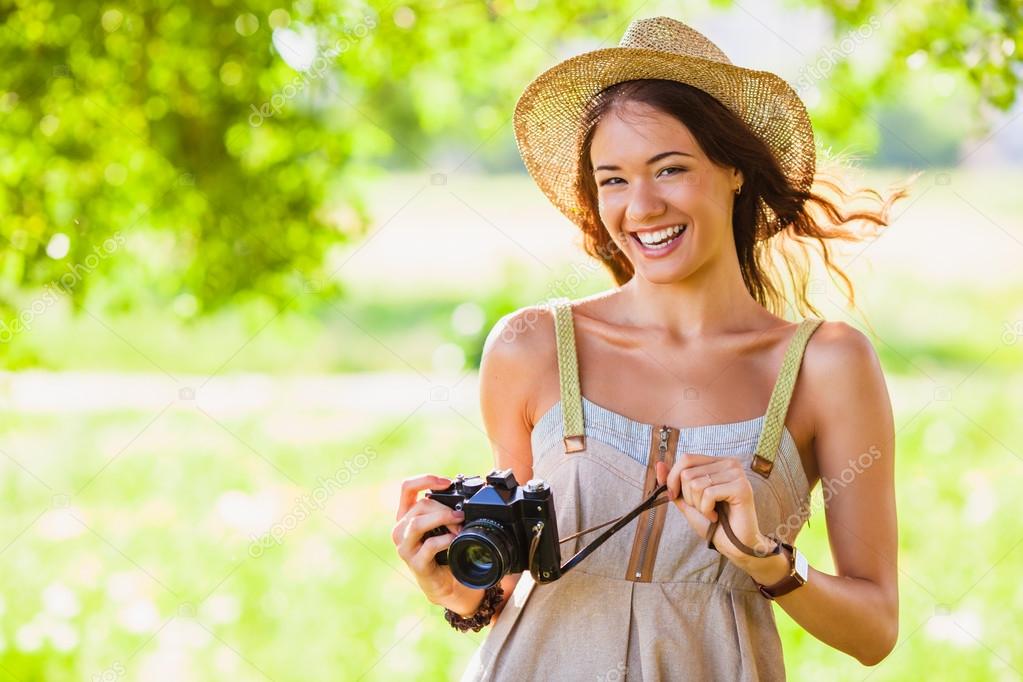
column 799, row 571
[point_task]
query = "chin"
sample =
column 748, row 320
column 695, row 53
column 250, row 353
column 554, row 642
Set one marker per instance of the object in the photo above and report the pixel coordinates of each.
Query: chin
column 661, row 275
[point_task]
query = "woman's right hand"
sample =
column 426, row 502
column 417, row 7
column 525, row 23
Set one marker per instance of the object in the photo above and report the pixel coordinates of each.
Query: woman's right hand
column 414, row 518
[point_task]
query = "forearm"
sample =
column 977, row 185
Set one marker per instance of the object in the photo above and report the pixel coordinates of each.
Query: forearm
column 853, row 615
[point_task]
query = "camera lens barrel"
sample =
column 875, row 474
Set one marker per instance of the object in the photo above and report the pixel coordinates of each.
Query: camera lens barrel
column 481, row 554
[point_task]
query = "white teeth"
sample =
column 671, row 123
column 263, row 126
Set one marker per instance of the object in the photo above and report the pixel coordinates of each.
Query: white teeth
column 651, row 238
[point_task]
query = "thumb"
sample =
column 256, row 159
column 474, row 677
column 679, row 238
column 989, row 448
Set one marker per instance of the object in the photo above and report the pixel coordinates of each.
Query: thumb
column 661, row 472
column 697, row 521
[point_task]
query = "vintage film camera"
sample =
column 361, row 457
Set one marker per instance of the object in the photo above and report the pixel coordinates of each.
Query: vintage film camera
column 507, row 528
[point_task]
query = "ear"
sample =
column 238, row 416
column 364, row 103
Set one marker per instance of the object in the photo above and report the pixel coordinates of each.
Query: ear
column 737, row 178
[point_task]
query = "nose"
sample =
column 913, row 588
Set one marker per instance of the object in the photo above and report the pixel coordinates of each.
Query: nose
column 644, row 204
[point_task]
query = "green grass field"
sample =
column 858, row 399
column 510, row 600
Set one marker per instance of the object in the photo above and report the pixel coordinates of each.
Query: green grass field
column 214, row 501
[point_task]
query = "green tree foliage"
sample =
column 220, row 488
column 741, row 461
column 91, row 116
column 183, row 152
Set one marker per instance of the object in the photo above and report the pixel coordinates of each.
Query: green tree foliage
column 199, row 149
column 929, row 61
column 134, row 124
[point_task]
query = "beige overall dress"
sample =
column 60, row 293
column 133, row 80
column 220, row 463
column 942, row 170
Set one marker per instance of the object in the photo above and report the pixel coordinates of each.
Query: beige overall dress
column 653, row 602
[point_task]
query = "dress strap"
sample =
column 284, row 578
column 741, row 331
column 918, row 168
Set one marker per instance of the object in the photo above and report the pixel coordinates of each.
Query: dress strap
column 778, row 406
column 568, row 376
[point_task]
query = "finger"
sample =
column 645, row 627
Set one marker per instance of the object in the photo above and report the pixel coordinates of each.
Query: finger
column 674, row 481
column 692, row 459
column 711, row 496
column 424, row 523
column 697, row 521
column 688, row 492
column 427, row 553
column 728, row 491
column 423, row 505
column 410, row 488
column 398, row 532
column 661, row 472
column 698, row 470
column 702, row 477
column 419, row 525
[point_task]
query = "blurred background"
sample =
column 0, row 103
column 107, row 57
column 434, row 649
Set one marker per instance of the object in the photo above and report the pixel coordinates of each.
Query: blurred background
column 250, row 251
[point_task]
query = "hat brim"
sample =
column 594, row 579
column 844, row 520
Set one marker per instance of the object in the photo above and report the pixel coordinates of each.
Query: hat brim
column 548, row 114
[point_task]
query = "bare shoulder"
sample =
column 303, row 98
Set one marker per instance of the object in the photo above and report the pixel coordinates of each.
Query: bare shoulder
column 517, row 357
column 837, row 347
column 520, row 335
column 844, row 378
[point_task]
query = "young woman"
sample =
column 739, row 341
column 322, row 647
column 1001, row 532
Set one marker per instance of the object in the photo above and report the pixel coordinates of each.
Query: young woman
column 691, row 179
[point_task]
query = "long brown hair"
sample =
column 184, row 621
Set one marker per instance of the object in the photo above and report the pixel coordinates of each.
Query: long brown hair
column 767, row 208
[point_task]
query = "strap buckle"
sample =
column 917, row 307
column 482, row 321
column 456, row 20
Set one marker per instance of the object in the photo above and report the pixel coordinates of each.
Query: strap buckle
column 575, row 443
column 761, row 465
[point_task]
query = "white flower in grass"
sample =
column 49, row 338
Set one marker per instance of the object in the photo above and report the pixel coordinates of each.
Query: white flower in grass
column 29, row 637
column 59, row 524
column 961, row 628
column 61, row 601
column 250, row 515
column 220, row 609
column 139, row 616
column 182, row 634
column 62, row 635
column 467, row 319
column 122, row 586
column 982, row 499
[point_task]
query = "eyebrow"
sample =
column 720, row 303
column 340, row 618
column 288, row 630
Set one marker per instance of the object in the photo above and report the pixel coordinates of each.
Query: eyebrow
column 652, row 159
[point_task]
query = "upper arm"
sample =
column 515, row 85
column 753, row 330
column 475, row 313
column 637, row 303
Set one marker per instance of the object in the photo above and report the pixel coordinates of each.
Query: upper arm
column 513, row 360
column 854, row 445
column 513, row 357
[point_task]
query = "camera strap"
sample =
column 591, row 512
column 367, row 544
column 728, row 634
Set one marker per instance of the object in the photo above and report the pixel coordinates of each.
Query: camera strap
column 622, row 521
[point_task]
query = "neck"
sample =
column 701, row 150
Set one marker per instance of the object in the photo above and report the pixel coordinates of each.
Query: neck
column 711, row 301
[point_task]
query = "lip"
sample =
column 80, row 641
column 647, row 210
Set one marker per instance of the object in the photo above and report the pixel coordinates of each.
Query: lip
column 659, row 253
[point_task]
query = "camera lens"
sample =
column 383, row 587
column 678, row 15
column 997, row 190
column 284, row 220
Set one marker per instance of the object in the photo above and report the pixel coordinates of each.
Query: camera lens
column 481, row 554
column 480, row 557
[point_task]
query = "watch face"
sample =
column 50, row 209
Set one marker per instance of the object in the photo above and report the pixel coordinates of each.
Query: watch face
column 802, row 566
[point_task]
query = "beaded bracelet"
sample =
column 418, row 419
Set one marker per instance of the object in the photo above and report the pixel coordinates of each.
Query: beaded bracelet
column 492, row 597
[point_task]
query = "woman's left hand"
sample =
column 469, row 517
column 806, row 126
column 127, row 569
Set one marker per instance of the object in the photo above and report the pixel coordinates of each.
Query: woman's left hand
column 697, row 482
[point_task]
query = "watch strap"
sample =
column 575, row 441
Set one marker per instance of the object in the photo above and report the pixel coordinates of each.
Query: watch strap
column 789, row 582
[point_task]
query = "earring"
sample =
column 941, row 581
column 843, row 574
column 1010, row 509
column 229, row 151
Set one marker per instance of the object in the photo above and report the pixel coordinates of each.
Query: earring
column 738, row 189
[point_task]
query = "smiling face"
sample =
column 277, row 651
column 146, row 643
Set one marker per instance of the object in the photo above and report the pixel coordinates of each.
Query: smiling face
column 655, row 185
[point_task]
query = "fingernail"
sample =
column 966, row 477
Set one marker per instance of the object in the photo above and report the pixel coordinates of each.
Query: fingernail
column 459, row 515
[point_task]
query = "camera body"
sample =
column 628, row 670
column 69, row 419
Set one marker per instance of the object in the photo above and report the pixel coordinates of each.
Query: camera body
column 502, row 522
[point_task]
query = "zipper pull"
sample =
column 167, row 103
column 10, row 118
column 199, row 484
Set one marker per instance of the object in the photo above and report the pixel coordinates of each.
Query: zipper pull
column 663, row 447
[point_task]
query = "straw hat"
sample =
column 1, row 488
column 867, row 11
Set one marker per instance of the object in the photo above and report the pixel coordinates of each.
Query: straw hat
column 549, row 114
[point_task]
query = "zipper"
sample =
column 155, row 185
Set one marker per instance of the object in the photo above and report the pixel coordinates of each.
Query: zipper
column 662, row 451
